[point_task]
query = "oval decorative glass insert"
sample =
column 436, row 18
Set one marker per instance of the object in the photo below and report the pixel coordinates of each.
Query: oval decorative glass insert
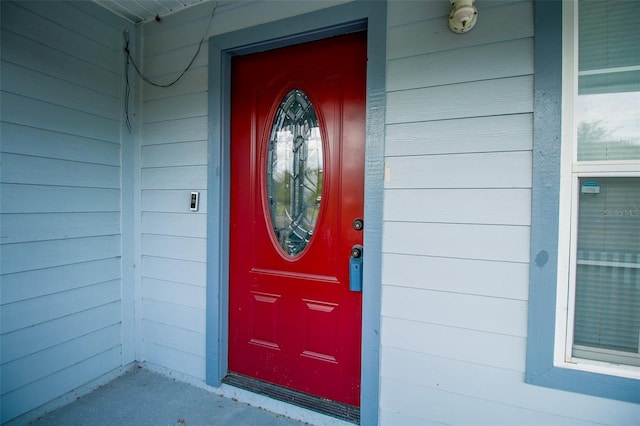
column 294, row 172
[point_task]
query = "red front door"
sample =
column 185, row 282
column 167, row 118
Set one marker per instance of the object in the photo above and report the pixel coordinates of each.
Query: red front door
column 297, row 185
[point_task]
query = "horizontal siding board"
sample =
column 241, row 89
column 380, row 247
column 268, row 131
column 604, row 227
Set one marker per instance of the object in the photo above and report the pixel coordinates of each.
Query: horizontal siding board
column 57, row 384
column 36, row 85
column 401, row 12
column 55, row 36
column 18, row 228
column 421, row 401
column 171, row 62
column 30, row 312
column 93, row 28
column 434, row 34
column 175, row 359
column 26, row 140
column 18, row 198
column 171, row 201
column 394, row 417
column 171, row 131
column 178, row 271
column 35, row 113
column 485, row 134
column 507, row 387
column 30, row 340
column 475, row 99
column 41, row 282
column 23, row 169
column 484, row 348
column 30, row 54
column 482, row 170
column 191, row 178
column 103, row 15
column 186, row 36
column 44, row 254
column 482, row 313
column 185, row 317
column 33, row 367
column 181, row 248
column 475, row 277
column 176, row 107
column 497, row 60
column 178, row 154
column 193, row 81
column 461, row 241
column 186, row 340
column 473, row 206
column 174, row 293
column 176, row 224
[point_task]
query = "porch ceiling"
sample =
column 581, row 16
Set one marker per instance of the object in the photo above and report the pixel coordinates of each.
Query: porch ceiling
column 138, row 11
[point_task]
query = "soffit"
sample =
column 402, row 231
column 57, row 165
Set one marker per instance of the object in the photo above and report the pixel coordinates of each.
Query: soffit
column 138, row 11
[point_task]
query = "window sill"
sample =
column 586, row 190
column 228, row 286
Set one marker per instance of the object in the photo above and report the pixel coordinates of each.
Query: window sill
column 600, row 368
column 569, row 378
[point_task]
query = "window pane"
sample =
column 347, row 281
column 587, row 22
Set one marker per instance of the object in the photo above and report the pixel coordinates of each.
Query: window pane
column 607, row 311
column 608, row 81
column 294, row 172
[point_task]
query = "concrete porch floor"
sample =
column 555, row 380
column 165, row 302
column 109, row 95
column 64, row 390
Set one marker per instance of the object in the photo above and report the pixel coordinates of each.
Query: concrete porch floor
column 144, row 397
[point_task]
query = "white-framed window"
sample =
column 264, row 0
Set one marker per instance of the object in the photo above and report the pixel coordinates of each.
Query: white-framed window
column 598, row 298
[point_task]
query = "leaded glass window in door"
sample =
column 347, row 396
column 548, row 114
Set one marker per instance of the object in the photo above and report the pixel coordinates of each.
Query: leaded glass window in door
column 294, row 172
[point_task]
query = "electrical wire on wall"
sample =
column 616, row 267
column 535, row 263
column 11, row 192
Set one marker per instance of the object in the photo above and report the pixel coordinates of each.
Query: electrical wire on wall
column 130, row 60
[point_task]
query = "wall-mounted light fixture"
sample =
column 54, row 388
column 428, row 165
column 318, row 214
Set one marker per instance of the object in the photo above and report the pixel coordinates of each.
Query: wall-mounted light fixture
column 463, row 16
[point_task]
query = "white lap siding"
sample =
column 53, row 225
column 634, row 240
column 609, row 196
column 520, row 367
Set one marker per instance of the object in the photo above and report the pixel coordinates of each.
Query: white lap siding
column 174, row 159
column 457, row 211
column 61, row 325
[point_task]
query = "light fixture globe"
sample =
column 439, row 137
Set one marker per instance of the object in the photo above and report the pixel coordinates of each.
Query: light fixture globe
column 463, row 16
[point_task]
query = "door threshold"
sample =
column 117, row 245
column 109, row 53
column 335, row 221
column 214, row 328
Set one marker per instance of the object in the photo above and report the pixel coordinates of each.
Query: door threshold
column 321, row 405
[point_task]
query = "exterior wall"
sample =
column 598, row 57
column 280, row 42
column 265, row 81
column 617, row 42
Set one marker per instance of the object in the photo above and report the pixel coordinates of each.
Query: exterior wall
column 457, row 216
column 174, row 163
column 79, row 201
column 457, row 213
column 61, row 309
column 456, row 207
column 174, row 158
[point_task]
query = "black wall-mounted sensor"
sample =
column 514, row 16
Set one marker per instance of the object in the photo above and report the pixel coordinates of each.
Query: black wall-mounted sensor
column 195, row 198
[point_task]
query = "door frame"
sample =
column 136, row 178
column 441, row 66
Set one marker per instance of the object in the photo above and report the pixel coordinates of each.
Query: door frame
column 354, row 16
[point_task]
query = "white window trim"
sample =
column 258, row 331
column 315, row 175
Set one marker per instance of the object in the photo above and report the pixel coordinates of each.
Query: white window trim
column 567, row 233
